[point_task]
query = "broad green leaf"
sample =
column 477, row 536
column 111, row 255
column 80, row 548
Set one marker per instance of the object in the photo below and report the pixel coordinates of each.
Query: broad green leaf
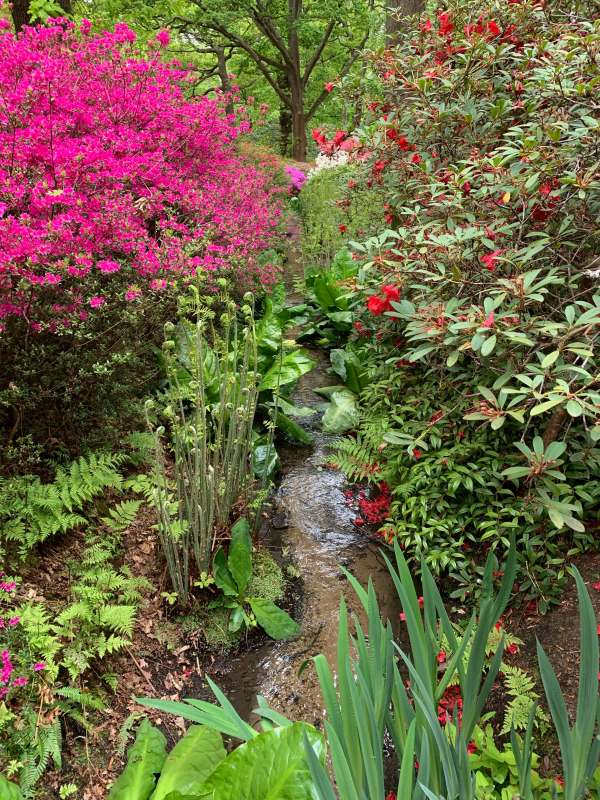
column 574, row 408
column 193, row 759
column 274, row 620
column 9, row 790
column 223, row 578
column 145, row 759
column 272, row 766
column 548, row 360
column 488, row 346
column 239, row 559
column 286, row 370
column 292, row 429
column 265, row 460
column 342, row 413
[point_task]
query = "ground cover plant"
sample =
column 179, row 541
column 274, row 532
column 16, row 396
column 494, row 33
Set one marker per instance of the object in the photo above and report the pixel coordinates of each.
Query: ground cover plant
column 475, row 309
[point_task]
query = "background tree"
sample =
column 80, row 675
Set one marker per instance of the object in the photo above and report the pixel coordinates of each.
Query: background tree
column 293, row 47
column 24, row 12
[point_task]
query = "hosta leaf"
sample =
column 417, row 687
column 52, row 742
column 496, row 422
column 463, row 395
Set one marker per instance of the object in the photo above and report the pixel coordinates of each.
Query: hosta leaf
column 145, row 759
column 189, row 764
column 272, row 766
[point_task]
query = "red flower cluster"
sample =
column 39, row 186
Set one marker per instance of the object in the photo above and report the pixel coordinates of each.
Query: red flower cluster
column 377, row 305
column 488, row 29
column 375, row 511
column 449, row 702
column 339, row 141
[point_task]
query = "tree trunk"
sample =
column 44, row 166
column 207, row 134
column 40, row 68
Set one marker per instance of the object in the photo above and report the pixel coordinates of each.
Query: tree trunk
column 396, row 11
column 20, row 12
column 298, row 117
column 224, row 78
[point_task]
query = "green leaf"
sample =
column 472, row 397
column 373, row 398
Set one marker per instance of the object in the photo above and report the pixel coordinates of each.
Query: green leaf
column 272, row 766
column 541, row 407
column 488, row 346
column 265, row 460
column 9, row 790
column 548, row 360
column 145, row 759
column 292, row 429
column 223, row 578
column 342, row 413
column 574, row 408
column 272, row 619
column 193, row 759
column 239, row 559
column 287, row 370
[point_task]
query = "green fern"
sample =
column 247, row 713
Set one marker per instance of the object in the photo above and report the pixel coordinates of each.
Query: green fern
column 357, row 459
column 32, row 511
column 47, row 745
column 122, row 516
column 520, row 688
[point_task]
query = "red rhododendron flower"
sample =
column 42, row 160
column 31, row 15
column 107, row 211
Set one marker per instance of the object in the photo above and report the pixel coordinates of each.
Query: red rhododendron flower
column 489, row 259
column 329, row 87
column 377, row 305
column 416, row 159
column 417, row 453
column 445, row 25
column 391, row 292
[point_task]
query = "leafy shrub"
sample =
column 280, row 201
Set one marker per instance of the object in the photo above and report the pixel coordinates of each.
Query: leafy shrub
column 113, row 187
column 475, row 311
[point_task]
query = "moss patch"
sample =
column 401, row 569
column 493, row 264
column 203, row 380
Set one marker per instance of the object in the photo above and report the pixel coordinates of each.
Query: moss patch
column 267, row 581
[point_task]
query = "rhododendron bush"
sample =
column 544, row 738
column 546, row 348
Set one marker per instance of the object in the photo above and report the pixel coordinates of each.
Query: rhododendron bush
column 116, row 185
column 478, row 311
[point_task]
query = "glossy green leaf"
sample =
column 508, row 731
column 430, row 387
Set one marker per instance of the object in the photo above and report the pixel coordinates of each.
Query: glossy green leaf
column 274, row 620
column 239, row 559
column 223, row 577
column 9, row 790
column 265, row 460
column 287, row 370
column 193, row 759
column 272, row 766
column 145, row 759
column 292, row 429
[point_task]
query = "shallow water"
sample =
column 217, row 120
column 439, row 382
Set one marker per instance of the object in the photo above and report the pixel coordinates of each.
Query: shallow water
column 312, row 526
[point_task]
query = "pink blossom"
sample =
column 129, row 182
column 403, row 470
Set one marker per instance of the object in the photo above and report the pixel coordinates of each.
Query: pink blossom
column 39, row 666
column 20, row 681
column 14, row 621
column 142, row 177
column 163, row 38
column 96, row 301
column 108, row 266
column 489, row 321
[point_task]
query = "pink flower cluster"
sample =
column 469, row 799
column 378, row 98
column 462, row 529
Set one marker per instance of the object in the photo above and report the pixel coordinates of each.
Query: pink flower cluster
column 112, row 180
column 8, row 679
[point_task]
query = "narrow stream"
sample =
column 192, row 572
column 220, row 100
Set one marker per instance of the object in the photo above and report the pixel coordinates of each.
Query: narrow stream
column 313, row 526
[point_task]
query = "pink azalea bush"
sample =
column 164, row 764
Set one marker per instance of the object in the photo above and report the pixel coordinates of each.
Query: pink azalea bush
column 113, row 182
column 117, row 185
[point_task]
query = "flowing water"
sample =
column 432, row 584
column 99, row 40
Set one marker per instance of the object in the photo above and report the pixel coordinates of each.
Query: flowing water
column 312, row 526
